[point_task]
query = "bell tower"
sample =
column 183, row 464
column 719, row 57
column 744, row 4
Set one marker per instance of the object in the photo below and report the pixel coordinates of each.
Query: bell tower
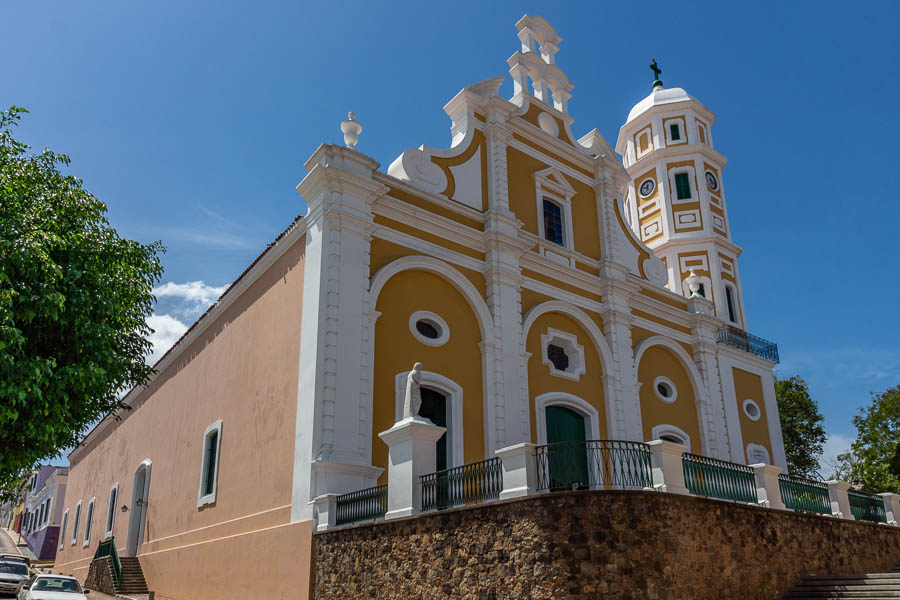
column 675, row 201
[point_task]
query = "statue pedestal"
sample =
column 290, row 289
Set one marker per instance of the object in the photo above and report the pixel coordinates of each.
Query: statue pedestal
column 411, row 454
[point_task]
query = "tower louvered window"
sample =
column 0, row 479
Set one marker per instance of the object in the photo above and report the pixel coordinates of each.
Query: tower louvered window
column 682, row 186
column 675, row 132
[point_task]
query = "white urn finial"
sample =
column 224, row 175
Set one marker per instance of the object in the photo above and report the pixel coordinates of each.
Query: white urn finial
column 693, row 281
column 351, row 129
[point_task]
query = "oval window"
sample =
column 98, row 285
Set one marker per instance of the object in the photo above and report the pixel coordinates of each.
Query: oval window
column 751, row 409
column 429, row 328
column 664, row 389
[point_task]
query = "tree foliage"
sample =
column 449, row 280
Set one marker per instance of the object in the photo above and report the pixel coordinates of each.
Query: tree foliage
column 74, row 297
column 873, row 462
column 801, row 426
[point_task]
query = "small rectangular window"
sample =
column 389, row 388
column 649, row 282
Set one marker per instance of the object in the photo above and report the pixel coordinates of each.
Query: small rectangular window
column 674, row 132
column 683, row 186
column 702, row 290
column 730, row 301
column 62, row 531
column 212, row 441
column 75, row 523
column 111, row 511
column 553, row 223
column 88, row 521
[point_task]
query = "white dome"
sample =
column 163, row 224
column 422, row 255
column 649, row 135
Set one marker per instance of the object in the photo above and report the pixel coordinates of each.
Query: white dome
column 658, row 96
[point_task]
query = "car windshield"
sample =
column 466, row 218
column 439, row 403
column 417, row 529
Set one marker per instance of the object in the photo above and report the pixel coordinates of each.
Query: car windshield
column 13, row 568
column 56, row 584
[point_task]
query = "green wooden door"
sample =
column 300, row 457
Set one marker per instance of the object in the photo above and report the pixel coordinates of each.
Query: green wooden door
column 567, row 453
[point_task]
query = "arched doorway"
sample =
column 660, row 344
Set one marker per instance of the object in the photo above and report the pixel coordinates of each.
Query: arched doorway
column 138, row 517
column 566, row 453
column 434, row 408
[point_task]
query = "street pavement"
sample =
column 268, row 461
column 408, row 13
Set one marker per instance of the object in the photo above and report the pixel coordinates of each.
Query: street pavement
column 7, row 544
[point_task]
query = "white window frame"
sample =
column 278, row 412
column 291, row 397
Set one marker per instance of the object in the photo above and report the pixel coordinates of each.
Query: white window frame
column 75, row 523
column 682, row 130
column 734, row 300
column 637, row 142
column 110, row 522
column 62, row 532
column 559, row 191
column 427, row 315
column 749, row 402
column 454, row 394
column 758, row 448
column 574, row 350
column 570, row 401
column 88, row 521
column 692, row 180
column 671, row 384
column 666, row 429
column 204, row 499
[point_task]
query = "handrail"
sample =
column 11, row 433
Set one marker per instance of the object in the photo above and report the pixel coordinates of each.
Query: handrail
column 471, row 483
column 361, row 505
column 593, row 464
column 804, row 494
column 866, row 507
column 705, row 476
column 108, row 548
column 738, row 338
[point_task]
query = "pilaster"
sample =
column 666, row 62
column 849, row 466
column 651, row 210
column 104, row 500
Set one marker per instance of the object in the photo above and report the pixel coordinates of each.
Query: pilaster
column 712, row 401
column 333, row 410
column 617, row 323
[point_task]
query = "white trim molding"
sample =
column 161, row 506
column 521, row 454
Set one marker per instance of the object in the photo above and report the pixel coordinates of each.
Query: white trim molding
column 692, row 182
column 454, row 394
column 75, row 522
column 110, row 522
column 574, row 351
column 666, row 382
column 210, row 498
column 583, row 408
column 660, row 430
column 750, row 407
column 435, row 321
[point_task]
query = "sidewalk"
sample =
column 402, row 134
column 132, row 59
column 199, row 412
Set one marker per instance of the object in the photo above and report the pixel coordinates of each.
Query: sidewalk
column 8, row 539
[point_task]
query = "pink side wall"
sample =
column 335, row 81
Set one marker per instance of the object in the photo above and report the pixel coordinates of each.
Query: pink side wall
column 243, row 369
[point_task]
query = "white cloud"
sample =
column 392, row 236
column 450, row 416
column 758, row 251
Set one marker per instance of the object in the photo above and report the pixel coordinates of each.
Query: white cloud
column 186, row 301
column 166, row 331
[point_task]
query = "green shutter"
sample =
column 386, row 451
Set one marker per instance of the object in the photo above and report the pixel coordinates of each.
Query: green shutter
column 675, row 133
column 682, row 186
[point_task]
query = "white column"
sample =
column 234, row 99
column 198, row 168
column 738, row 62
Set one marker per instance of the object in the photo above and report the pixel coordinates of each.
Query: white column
column 519, row 470
column 714, row 428
column 326, row 511
column 666, row 466
column 840, row 501
column 891, row 508
column 332, row 445
column 411, row 454
column 768, row 491
column 625, row 403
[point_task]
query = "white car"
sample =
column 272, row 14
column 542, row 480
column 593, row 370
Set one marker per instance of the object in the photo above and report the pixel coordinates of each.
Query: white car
column 52, row 587
column 12, row 574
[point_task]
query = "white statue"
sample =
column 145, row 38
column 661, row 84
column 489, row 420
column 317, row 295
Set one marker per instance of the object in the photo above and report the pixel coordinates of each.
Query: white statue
column 413, row 400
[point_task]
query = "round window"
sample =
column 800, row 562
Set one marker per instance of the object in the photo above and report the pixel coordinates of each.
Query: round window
column 664, row 389
column 751, row 409
column 429, row 328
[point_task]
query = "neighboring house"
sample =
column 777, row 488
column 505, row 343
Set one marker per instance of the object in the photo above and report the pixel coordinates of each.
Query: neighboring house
column 550, row 292
column 44, row 509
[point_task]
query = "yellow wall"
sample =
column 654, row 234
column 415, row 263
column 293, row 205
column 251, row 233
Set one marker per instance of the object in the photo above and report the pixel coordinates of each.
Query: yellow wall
column 589, row 388
column 656, row 361
column 747, row 385
column 396, row 350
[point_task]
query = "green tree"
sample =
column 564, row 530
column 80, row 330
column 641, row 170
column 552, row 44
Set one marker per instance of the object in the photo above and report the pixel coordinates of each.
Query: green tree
column 872, row 461
column 801, row 426
column 74, row 297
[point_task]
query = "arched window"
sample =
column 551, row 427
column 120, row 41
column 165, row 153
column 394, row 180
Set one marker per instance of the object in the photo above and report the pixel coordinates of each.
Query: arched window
column 670, row 433
column 111, row 509
column 209, row 473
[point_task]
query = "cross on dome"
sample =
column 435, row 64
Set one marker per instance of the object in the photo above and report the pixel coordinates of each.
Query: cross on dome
column 657, row 82
column 537, row 61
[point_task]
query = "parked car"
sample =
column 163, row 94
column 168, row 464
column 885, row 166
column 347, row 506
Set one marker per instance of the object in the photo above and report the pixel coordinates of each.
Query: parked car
column 12, row 575
column 52, row 587
column 15, row 558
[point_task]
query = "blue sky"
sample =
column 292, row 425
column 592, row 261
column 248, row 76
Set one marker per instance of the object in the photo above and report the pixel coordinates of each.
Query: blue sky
column 193, row 120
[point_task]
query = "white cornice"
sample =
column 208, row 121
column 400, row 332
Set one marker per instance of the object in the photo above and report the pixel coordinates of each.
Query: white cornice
column 673, row 152
column 437, row 199
column 398, row 210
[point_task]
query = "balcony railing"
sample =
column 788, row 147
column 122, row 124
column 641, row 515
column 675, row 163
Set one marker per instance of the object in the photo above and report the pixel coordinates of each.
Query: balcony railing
column 361, row 505
column 471, row 483
column 808, row 495
column 748, row 342
column 867, row 507
column 593, row 464
column 714, row 478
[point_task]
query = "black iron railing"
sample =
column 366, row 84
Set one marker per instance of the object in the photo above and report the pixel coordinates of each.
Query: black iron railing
column 362, row 505
column 748, row 342
column 108, row 548
column 867, row 507
column 471, row 483
column 714, row 478
column 808, row 495
column 593, row 464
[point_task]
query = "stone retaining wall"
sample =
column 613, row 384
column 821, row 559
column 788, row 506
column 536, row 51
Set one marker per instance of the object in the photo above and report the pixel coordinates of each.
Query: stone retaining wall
column 100, row 576
column 617, row 544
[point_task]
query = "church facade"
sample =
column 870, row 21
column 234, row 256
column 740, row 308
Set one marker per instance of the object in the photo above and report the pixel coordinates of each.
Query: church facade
column 551, row 290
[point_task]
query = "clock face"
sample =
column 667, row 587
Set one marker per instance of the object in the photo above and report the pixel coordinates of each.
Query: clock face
column 711, row 181
column 647, row 187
